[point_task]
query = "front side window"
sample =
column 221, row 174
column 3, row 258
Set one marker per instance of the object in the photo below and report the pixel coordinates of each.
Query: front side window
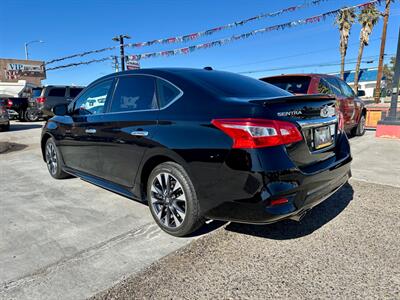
column 324, row 87
column 93, row 100
column 166, row 92
column 334, row 84
column 134, row 93
column 57, row 92
column 347, row 91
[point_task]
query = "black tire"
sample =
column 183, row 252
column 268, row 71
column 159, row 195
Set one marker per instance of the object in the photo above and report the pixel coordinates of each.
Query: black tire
column 170, row 208
column 53, row 160
column 21, row 116
column 360, row 129
column 31, row 115
column 6, row 127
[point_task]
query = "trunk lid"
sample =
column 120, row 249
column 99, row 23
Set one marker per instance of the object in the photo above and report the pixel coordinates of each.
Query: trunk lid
column 315, row 116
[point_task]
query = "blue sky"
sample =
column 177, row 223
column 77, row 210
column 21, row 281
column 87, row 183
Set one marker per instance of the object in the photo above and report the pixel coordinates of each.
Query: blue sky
column 73, row 26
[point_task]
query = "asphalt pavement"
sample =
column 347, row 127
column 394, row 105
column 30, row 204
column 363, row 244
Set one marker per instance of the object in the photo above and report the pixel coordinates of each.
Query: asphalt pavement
column 345, row 248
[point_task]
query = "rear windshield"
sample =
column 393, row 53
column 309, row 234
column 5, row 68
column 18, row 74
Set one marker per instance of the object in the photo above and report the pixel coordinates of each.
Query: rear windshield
column 36, row 93
column 292, row 84
column 234, row 85
column 57, row 92
column 73, row 92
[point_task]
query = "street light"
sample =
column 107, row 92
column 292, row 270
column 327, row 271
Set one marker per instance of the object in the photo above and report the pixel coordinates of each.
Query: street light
column 26, row 47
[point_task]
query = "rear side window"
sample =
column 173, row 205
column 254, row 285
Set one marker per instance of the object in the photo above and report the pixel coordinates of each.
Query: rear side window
column 292, row 84
column 235, row 85
column 134, row 92
column 73, row 92
column 57, row 92
column 166, row 92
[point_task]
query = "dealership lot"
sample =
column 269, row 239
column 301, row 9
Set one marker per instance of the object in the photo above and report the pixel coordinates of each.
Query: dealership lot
column 71, row 239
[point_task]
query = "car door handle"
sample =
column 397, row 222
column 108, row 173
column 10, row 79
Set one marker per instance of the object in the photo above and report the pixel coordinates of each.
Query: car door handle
column 90, row 130
column 139, row 133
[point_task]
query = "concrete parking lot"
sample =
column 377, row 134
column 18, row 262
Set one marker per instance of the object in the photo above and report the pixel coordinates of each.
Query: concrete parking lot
column 66, row 239
column 71, row 240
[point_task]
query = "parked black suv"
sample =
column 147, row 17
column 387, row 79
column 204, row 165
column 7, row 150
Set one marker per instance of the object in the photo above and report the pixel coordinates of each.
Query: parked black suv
column 56, row 94
column 201, row 144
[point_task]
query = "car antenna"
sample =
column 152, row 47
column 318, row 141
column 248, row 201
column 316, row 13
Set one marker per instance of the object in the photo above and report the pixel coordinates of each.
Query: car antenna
column 208, row 68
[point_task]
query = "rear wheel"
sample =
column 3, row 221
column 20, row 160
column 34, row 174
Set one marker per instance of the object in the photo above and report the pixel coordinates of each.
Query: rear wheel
column 21, row 115
column 172, row 200
column 31, row 115
column 5, row 127
column 53, row 160
column 360, row 129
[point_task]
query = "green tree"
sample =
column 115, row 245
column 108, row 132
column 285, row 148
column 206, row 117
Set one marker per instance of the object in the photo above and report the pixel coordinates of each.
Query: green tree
column 368, row 18
column 388, row 72
column 344, row 20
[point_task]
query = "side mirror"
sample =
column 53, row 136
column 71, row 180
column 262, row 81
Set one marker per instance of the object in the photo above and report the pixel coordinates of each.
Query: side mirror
column 361, row 93
column 60, row 109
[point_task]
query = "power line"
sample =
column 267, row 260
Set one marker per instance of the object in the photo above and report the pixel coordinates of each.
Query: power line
column 294, row 55
column 325, row 64
column 196, row 35
column 80, row 63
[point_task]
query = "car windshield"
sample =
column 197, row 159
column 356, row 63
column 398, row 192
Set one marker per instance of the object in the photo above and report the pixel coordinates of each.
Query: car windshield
column 234, row 85
column 292, row 84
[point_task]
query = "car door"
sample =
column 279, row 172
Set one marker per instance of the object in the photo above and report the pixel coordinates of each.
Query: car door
column 79, row 146
column 346, row 103
column 127, row 128
column 350, row 98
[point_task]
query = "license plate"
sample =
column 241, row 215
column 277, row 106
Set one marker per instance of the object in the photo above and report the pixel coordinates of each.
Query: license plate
column 322, row 137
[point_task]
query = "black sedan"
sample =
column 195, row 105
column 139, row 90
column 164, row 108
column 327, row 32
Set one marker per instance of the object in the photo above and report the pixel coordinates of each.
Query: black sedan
column 201, row 144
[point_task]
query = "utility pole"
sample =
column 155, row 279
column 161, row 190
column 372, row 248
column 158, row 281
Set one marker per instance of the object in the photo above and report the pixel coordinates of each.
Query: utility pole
column 382, row 52
column 115, row 64
column 120, row 39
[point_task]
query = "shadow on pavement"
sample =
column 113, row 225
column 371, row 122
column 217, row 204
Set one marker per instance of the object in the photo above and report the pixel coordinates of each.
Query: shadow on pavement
column 288, row 229
column 22, row 126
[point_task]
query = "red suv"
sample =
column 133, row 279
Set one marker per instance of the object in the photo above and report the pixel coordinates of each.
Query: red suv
column 352, row 107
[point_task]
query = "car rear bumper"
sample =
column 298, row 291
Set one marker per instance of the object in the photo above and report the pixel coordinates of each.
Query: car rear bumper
column 302, row 190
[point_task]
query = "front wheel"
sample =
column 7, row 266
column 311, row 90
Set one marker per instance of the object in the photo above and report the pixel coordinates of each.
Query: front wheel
column 172, row 200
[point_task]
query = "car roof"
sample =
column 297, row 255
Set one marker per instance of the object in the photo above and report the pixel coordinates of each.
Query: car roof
column 159, row 72
column 315, row 75
column 63, row 86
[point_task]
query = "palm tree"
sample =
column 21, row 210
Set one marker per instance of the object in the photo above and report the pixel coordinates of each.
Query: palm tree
column 344, row 21
column 368, row 18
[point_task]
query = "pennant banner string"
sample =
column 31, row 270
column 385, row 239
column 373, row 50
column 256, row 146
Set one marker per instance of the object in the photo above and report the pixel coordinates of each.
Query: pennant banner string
column 186, row 50
column 196, row 35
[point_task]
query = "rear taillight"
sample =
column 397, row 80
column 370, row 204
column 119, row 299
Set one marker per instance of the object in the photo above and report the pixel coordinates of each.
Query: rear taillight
column 341, row 121
column 9, row 103
column 258, row 133
column 40, row 100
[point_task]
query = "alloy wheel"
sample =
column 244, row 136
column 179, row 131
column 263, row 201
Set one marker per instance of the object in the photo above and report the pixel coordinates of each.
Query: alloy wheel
column 51, row 158
column 168, row 200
